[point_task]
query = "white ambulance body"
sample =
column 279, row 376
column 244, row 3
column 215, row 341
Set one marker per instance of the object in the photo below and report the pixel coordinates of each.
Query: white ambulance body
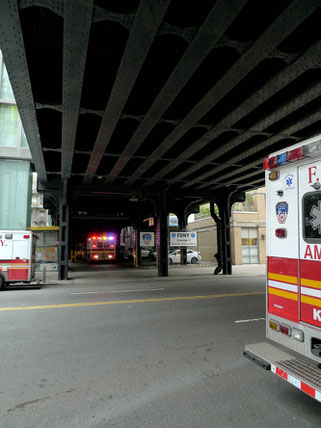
column 293, row 286
column 17, row 256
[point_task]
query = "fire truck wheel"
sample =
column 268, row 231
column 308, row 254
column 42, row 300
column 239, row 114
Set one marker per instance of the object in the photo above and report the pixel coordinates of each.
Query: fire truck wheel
column 2, row 283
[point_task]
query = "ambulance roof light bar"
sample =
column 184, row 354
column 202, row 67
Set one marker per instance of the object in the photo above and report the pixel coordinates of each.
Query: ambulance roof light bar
column 293, row 155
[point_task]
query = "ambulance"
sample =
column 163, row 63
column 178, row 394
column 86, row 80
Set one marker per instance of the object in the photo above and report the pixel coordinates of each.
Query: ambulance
column 293, row 284
column 17, row 256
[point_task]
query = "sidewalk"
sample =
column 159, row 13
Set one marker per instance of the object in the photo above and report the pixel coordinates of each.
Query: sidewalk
column 82, row 273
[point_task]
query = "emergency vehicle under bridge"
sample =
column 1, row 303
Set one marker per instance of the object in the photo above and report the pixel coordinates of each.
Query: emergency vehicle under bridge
column 173, row 103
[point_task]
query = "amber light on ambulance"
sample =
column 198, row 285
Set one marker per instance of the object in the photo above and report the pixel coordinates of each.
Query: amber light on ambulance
column 274, row 325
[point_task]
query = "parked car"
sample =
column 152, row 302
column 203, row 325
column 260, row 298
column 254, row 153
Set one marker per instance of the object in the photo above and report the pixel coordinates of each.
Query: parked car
column 145, row 252
column 192, row 257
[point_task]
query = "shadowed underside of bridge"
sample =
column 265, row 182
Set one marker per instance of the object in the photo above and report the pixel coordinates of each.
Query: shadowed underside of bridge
column 132, row 96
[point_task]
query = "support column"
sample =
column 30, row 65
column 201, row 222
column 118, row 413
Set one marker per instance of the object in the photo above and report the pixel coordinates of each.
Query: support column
column 63, row 231
column 182, row 223
column 162, row 234
column 219, row 254
column 225, row 201
column 226, row 239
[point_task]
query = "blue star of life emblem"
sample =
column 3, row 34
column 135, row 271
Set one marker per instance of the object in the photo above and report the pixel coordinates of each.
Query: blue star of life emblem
column 289, row 181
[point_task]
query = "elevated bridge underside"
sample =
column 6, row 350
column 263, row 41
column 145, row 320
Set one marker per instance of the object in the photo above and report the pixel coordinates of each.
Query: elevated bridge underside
column 141, row 97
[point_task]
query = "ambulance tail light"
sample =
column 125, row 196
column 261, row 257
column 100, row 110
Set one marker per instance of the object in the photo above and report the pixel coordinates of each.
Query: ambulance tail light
column 26, row 236
column 96, row 256
column 281, row 232
column 110, row 256
column 285, row 329
column 298, row 334
column 112, row 246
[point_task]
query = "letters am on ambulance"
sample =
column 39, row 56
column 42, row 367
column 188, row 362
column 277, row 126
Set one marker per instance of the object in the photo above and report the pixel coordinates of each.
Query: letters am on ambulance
column 281, row 210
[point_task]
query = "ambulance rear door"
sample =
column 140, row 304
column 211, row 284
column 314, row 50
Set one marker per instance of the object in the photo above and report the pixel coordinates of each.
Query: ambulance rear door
column 310, row 243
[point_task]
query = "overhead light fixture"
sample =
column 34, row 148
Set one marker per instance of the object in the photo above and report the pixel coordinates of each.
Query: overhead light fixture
column 134, row 199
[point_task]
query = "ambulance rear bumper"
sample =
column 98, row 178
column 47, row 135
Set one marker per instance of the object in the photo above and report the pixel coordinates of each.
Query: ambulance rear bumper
column 304, row 376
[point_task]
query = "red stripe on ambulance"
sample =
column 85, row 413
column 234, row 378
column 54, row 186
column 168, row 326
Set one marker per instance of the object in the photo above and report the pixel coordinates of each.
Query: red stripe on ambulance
column 282, row 307
column 283, row 266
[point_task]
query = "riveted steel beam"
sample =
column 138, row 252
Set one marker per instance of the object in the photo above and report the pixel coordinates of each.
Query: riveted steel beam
column 287, row 22
column 145, row 27
column 12, row 46
column 77, row 21
column 286, row 133
column 284, row 110
column 310, row 59
column 209, row 34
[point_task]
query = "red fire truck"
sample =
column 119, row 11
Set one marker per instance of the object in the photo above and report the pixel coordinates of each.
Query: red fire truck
column 101, row 247
column 293, row 284
column 17, row 256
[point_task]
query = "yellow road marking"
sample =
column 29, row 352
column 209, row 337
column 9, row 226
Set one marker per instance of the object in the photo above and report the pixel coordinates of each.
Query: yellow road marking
column 119, row 302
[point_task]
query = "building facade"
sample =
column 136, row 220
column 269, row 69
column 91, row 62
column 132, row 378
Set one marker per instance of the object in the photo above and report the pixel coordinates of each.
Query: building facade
column 248, row 233
column 15, row 161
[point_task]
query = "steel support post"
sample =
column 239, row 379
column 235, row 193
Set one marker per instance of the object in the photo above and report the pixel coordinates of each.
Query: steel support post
column 219, row 254
column 162, row 235
column 182, row 223
column 226, row 240
column 63, row 231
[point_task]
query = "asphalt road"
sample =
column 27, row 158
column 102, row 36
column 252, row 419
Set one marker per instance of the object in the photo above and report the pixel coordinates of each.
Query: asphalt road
column 123, row 348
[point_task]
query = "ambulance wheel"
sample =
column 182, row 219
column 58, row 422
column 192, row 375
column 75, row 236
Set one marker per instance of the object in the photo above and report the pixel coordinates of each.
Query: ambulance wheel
column 194, row 260
column 2, row 283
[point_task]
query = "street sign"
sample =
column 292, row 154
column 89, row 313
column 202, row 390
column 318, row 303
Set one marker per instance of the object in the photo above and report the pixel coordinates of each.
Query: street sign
column 146, row 239
column 181, row 238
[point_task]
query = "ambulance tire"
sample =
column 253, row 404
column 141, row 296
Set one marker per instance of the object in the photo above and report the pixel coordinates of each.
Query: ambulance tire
column 2, row 283
column 194, row 260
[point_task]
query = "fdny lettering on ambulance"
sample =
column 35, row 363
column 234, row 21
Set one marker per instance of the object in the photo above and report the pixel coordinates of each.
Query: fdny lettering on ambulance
column 313, row 174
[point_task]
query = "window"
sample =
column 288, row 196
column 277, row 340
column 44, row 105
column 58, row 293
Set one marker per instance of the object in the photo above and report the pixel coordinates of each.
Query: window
column 100, row 245
column 250, row 250
column 6, row 92
column 106, row 244
column 9, row 125
column 312, row 217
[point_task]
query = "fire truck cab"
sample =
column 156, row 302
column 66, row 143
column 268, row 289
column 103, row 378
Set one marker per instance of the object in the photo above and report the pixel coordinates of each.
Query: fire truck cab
column 293, row 283
column 17, row 256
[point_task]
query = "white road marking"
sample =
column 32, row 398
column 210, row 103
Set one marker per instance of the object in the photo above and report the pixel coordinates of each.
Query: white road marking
column 253, row 319
column 119, row 291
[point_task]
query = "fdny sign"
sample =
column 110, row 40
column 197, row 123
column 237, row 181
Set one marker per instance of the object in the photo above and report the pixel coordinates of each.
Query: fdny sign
column 147, row 239
column 182, row 238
